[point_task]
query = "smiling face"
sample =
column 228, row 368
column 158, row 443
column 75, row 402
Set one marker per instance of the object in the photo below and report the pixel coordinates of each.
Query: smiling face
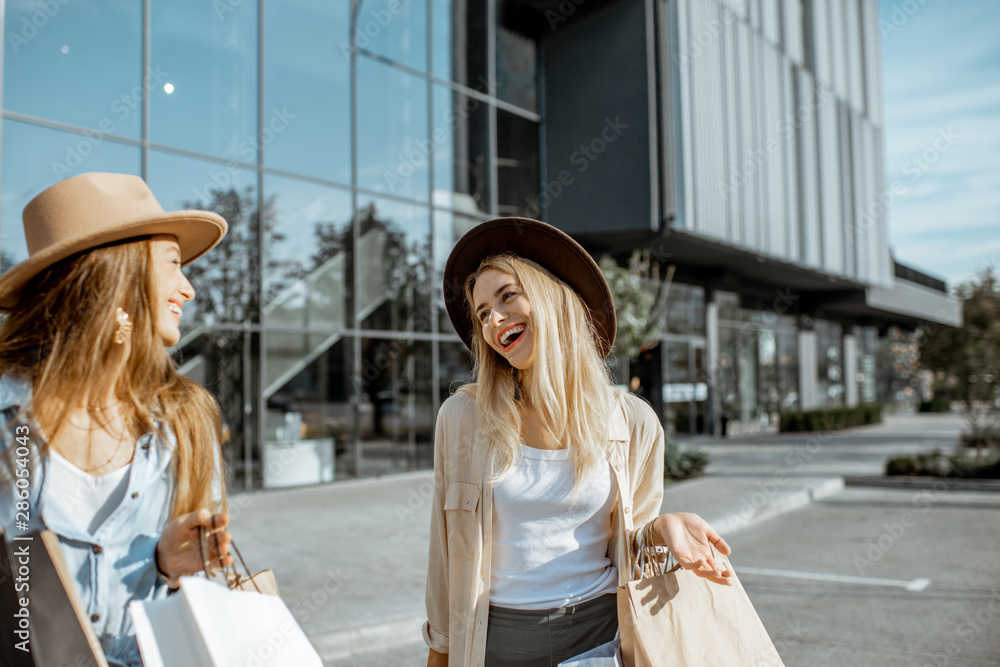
column 172, row 288
column 504, row 315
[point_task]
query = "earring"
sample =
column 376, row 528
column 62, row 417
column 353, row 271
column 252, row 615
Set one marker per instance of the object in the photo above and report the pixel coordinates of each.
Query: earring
column 124, row 329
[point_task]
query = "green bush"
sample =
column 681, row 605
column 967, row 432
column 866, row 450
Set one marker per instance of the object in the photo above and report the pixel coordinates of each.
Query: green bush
column 930, row 464
column 939, row 403
column 830, row 420
column 965, row 466
column 679, row 464
column 933, row 464
column 980, row 438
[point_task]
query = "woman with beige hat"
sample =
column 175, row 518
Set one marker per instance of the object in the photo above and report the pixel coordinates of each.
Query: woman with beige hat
column 544, row 471
column 102, row 441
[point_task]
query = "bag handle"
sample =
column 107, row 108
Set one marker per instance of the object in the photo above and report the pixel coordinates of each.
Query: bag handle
column 233, row 577
column 648, row 562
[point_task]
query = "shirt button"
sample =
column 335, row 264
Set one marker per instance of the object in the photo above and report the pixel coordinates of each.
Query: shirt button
column 618, row 467
column 626, row 510
column 94, row 618
column 97, row 549
column 135, row 495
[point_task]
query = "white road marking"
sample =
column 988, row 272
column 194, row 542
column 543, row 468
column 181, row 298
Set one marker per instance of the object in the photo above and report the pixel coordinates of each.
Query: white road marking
column 912, row 585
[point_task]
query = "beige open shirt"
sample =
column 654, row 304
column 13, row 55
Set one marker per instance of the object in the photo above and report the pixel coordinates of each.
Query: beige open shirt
column 458, row 575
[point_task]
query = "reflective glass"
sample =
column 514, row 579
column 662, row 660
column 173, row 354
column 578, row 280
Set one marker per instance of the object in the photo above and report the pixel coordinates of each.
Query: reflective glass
column 448, row 229
column 517, row 165
column 459, row 43
column 307, row 72
column 461, row 139
column 310, row 422
column 454, row 369
column 208, row 102
column 393, row 147
column 395, row 273
column 225, row 363
column 36, row 157
column 396, row 410
column 394, row 29
column 308, row 256
column 517, row 71
column 830, row 363
column 227, row 279
column 76, row 62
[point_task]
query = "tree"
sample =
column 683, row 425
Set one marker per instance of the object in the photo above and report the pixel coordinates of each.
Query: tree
column 968, row 357
column 640, row 297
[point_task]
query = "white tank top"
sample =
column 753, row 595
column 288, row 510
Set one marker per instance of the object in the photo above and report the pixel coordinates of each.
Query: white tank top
column 550, row 548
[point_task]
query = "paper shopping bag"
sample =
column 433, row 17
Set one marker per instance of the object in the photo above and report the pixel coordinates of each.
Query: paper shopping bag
column 674, row 618
column 605, row 655
column 207, row 625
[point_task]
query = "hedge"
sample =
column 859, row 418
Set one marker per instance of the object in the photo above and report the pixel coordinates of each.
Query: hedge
column 830, row 420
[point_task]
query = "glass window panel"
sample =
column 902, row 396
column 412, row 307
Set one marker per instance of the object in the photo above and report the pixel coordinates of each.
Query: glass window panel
column 448, row 229
column 394, row 266
column 225, row 363
column 830, row 362
column 394, row 29
column 461, row 152
column 307, row 72
column 517, row 165
column 36, row 157
column 76, row 62
column 396, row 410
column 226, row 280
column 393, row 147
column 455, row 369
column 209, row 102
column 459, row 43
column 308, row 257
column 311, row 420
column 517, row 71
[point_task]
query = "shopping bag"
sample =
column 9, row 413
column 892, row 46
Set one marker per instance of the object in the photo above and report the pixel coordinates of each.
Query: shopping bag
column 208, row 625
column 605, row 655
column 262, row 582
column 674, row 618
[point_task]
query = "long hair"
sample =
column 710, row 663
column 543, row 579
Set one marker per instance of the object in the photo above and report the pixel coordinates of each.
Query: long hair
column 59, row 338
column 570, row 385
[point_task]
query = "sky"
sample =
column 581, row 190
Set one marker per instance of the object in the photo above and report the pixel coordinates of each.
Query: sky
column 941, row 81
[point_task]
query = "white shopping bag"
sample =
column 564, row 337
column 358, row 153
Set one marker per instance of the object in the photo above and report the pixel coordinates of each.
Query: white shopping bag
column 605, row 655
column 207, row 625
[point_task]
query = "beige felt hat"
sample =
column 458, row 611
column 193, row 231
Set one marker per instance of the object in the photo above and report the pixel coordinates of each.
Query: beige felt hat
column 93, row 209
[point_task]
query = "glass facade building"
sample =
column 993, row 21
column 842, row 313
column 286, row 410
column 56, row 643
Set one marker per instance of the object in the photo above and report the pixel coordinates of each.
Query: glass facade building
column 350, row 143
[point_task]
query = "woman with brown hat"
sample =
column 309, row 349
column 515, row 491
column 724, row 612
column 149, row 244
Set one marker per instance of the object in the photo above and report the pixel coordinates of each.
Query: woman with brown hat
column 102, row 441
column 544, row 471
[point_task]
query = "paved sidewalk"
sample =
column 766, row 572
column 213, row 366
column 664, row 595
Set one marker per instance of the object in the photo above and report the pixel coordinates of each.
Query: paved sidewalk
column 351, row 558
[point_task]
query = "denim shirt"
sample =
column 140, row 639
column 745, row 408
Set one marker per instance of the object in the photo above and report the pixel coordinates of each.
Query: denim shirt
column 115, row 565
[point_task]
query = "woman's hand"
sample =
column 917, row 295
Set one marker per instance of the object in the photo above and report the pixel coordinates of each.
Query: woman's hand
column 178, row 553
column 691, row 541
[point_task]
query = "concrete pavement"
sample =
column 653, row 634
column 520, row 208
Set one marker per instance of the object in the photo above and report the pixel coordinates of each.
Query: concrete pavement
column 351, row 557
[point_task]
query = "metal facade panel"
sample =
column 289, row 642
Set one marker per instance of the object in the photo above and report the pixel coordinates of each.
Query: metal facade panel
column 790, row 177
column 845, row 116
column 770, row 18
column 776, row 210
column 855, row 56
column 858, row 213
column 830, row 194
column 735, row 179
column 791, row 23
column 707, row 127
column 745, row 111
column 885, row 271
column 820, row 19
column 686, row 219
column 875, row 210
column 838, row 47
column 872, row 62
column 809, row 213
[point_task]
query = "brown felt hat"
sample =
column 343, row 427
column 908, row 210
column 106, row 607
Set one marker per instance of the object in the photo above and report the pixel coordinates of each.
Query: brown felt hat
column 94, row 209
column 543, row 244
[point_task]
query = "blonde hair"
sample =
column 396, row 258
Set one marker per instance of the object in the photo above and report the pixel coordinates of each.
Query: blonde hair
column 570, row 385
column 66, row 357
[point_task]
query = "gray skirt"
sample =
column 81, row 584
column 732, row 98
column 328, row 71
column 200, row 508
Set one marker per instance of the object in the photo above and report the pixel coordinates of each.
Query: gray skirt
column 546, row 637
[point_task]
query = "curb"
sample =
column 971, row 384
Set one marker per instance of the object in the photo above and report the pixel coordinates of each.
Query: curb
column 787, row 500
column 923, row 483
